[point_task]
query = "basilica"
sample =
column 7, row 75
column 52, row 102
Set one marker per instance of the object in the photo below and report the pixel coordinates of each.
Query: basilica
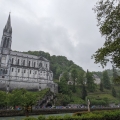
column 19, row 70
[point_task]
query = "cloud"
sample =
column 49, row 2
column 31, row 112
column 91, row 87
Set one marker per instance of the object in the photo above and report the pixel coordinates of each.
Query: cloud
column 60, row 27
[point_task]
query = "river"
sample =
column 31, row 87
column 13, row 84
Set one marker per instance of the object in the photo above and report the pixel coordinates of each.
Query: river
column 21, row 117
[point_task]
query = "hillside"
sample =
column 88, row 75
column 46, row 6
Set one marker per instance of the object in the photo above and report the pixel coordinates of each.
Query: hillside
column 58, row 64
column 66, row 95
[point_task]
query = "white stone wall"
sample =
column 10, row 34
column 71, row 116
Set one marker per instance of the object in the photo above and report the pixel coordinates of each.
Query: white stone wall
column 27, row 71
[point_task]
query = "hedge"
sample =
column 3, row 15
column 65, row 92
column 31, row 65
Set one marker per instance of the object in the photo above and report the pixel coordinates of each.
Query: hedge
column 95, row 115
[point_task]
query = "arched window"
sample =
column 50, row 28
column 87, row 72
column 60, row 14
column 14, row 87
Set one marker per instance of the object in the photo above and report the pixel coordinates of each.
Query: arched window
column 34, row 64
column 12, row 60
column 7, row 44
column 29, row 64
column 18, row 70
column 12, row 69
column 40, row 65
column 6, row 71
column 1, row 71
column 23, row 62
column 4, row 43
column 18, row 61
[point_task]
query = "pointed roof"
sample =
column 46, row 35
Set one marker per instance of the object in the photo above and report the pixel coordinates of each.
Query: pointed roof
column 42, row 58
column 8, row 27
column 8, row 22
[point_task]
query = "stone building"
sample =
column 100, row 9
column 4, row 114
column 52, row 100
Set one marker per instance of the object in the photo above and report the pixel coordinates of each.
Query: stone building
column 19, row 70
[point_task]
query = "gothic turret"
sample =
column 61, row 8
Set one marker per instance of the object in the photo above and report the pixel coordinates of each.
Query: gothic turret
column 6, row 38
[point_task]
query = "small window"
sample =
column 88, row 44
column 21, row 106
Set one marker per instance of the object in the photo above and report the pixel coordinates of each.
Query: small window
column 18, row 61
column 18, row 70
column 23, row 62
column 6, row 71
column 12, row 60
column 30, row 71
column 34, row 64
column 29, row 64
column 24, row 71
column 12, row 69
column 40, row 65
column 35, row 72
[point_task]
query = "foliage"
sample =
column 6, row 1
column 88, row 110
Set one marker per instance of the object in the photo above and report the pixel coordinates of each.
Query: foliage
column 90, row 81
column 81, row 77
column 109, row 23
column 41, row 117
column 95, row 115
column 114, row 94
column 101, row 86
column 74, row 77
column 63, row 86
column 115, row 75
column 20, row 97
column 15, row 97
column 3, row 97
column 58, row 64
column 84, row 92
column 106, row 80
column 62, row 99
column 30, row 118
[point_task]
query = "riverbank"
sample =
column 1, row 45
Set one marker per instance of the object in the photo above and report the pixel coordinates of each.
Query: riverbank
column 35, row 116
column 10, row 113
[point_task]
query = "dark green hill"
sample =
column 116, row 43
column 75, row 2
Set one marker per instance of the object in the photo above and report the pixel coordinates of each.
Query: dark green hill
column 58, row 64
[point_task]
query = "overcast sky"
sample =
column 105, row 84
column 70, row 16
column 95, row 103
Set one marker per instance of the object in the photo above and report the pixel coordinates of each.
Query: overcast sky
column 60, row 27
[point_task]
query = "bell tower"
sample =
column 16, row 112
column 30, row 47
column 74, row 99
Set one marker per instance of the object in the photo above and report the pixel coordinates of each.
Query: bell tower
column 6, row 41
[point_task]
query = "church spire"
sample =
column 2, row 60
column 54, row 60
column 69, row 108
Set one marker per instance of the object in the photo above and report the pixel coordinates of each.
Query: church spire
column 8, row 27
column 6, row 41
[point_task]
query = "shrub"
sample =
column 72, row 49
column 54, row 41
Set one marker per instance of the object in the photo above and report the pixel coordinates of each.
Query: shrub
column 29, row 118
column 41, row 117
column 80, row 113
column 68, row 117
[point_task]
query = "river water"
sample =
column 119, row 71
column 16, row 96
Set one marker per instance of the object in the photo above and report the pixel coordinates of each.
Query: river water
column 21, row 117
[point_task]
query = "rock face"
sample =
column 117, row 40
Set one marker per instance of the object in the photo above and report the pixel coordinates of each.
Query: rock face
column 19, row 70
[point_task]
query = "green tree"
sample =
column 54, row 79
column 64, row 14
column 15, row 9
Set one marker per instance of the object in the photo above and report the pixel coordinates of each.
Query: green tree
column 66, row 76
column 83, row 92
column 108, row 17
column 62, row 99
column 28, row 99
column 115, row 75
column 106, row 80
column 63, row 86
column 114, row 94
column 101, row 86
column 74, row 77
column 90, row 81
column 3, row 97
column 15, row 98
column 81, row 77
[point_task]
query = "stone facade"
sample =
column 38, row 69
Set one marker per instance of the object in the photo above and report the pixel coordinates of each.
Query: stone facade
column 19, row 70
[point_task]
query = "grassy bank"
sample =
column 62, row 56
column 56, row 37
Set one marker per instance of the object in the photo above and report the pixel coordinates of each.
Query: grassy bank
column 96, row 115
